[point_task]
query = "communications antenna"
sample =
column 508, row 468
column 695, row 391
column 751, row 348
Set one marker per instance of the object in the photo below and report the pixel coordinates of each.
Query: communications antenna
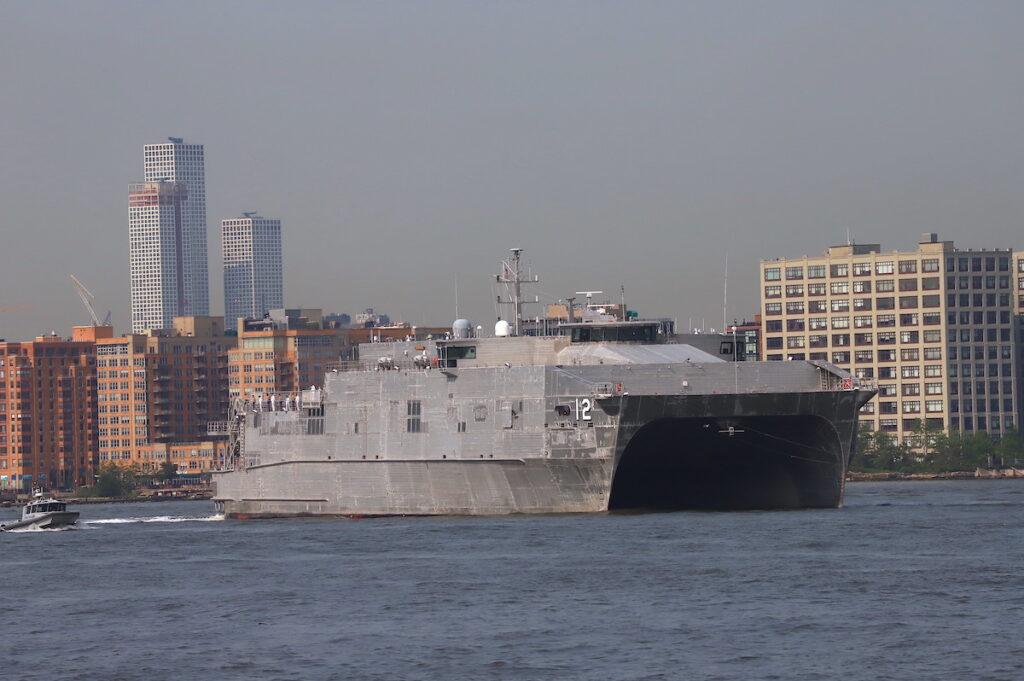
column 589, row 295
column 513, row 278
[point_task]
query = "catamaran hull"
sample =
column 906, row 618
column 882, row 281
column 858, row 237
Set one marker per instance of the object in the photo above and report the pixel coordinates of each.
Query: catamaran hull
column 653, row 452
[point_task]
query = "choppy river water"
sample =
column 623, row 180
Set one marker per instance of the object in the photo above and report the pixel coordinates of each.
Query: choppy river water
column 917, row 580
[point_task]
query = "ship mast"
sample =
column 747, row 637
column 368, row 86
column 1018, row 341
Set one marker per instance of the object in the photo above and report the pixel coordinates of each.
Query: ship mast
column 512, row 277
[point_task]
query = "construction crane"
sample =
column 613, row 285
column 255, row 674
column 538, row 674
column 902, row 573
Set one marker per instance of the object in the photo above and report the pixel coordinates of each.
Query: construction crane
column 85, row 294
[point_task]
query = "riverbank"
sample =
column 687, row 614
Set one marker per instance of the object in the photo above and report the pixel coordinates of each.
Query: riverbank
column 979, row 474
column 191, row 496
column 147, row 495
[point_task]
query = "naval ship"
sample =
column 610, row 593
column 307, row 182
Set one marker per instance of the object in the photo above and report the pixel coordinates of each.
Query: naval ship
column 597, row 415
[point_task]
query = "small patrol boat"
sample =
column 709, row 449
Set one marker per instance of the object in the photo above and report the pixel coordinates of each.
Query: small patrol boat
column 42, row 514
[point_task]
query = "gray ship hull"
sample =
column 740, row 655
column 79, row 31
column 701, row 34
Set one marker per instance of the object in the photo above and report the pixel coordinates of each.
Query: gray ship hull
column 658, row 452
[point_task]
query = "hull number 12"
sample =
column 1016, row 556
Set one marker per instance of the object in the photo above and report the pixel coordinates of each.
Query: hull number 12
column 583, row 407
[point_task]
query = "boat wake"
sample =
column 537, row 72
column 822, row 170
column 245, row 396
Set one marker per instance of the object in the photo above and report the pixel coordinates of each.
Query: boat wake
column 34, row 530
column 155, row 519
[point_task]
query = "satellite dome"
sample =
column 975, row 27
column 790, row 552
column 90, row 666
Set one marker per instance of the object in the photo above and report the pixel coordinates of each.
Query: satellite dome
column 462, row 328
column 502, row 329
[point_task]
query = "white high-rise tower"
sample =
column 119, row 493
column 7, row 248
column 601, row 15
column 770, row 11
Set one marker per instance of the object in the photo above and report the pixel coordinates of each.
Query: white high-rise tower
column 167, row 225
column 253, row 280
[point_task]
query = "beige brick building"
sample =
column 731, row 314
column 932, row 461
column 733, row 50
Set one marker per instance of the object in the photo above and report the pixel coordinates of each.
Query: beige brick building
column 935, row 328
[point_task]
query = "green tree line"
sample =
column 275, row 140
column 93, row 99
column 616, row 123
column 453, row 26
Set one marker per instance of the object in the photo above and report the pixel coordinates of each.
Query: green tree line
column 941, row 452
column 119, row 482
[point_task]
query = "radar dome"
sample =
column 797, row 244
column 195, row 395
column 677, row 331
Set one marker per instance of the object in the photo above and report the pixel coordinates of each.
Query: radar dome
column 462, row 328
column 502, row 329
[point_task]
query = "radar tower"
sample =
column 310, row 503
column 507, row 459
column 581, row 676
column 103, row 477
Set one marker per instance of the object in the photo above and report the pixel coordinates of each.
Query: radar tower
column 513, row 278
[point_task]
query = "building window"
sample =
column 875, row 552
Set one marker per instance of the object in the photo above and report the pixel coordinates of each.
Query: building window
column 841, row 270
column 772, row 274
column 863, row 321
column 818, row 271
column 884, row 267
column 794, row 273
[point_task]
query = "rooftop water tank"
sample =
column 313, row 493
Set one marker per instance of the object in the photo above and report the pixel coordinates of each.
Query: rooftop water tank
column 462, row 328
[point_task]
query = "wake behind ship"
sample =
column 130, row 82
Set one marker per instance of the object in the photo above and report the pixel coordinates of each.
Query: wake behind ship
column 601, row 415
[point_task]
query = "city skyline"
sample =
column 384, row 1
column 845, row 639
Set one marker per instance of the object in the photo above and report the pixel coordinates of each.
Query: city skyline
column 623, row 160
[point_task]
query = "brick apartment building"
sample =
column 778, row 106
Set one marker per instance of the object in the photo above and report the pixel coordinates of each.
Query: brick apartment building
column 159, row 389
column 48, row 435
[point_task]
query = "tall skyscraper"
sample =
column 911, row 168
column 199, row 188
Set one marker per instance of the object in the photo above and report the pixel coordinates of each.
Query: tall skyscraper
column 167, row 229
column 253, row 283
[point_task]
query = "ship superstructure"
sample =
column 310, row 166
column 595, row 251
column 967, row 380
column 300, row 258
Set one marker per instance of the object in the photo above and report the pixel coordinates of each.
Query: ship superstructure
column 603, row 416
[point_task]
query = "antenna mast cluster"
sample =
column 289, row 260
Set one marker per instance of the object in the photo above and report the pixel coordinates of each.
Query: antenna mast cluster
column 513, row 279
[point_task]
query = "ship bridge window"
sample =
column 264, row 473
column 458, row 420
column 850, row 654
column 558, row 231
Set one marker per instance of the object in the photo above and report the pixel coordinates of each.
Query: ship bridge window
column 646, row 333
column 462, row 352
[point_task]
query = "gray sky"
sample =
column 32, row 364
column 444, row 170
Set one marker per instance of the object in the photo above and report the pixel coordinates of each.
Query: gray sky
column 402, row 143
